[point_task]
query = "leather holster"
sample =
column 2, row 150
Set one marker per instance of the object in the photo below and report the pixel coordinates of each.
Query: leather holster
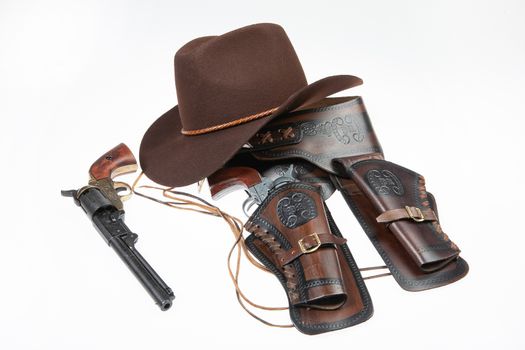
column 294, row 236
column 390, row 202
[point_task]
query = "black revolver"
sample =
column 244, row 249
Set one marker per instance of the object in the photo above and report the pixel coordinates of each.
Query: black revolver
column 102, row 203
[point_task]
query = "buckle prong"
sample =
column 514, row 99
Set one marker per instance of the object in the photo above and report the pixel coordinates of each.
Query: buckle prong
column 312, row 249
column 419, row 217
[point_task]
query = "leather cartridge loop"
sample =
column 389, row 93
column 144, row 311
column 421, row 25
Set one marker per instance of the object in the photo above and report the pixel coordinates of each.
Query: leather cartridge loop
column 408, row 212
column 310, row 244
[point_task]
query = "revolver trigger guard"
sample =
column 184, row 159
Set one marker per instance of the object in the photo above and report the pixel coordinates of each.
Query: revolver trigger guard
column 122, row 187
column 247, row 205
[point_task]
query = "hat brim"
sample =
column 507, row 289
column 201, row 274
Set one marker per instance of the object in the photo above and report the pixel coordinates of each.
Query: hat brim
column 172, row 159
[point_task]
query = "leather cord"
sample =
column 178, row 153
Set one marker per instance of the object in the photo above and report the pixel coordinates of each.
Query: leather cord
column 382, row 267
column 199, row 205
column 186, row 201
column 230, row 124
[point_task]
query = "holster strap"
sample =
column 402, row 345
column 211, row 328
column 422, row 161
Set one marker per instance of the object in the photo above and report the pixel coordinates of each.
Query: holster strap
column 398, row 196
column 408, row 212
column 309, row 244
column 291, row 229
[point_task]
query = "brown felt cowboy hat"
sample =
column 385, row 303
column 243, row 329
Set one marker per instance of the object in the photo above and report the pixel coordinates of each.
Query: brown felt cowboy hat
column 228, row 87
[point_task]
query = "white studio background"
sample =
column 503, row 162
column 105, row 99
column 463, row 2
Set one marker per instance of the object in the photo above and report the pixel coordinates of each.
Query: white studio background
column 444, row 86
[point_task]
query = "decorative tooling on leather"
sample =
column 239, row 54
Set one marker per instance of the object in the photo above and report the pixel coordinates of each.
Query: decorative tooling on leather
column 357, row 309
column 345, row 129
column 322, row 282
column 408, row 278
column 423, row 199
column 380, row 181
column 318, row 135
column 384, row 182
column 285, row 134
column 296, row 209
column 276, row 248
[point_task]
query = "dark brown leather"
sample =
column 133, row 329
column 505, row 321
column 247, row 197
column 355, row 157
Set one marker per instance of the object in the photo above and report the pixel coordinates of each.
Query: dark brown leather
column 334, row 128
column 324, row 287
column 407, row 273
column 337, row 136
column 389, row 186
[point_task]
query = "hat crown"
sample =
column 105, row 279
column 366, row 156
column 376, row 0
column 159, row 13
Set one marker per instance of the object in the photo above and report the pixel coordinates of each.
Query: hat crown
column 244, row 72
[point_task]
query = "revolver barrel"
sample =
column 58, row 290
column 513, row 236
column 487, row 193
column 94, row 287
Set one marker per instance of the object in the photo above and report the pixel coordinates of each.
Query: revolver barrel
column 109, row 222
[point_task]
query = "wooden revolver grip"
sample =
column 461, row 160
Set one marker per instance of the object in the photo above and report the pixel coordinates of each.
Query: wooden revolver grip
column 226, row 180
column 119, row 160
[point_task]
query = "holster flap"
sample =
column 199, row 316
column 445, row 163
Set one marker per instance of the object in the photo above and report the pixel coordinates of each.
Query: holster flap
column 291, row 223
column 400, row 198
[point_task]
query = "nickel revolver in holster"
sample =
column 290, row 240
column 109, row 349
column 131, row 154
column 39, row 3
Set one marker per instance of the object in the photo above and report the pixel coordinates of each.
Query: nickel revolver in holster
column 332, row 146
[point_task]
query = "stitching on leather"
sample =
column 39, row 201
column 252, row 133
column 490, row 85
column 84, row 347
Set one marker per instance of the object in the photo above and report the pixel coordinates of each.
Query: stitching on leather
column 422, row 199
column 344, row 105
column 320, row 157
column 259, row 220
column 322, row 282
column 433, row 247
column 367, row 310
column 357, row 318
column 276, row 248
column 447, row 277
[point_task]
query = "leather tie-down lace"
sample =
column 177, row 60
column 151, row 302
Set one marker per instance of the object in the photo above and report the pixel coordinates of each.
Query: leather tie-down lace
column 186, row 201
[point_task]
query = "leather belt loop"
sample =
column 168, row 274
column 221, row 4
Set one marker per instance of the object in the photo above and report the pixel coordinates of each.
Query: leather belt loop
column 309, row 244
column 408, row 212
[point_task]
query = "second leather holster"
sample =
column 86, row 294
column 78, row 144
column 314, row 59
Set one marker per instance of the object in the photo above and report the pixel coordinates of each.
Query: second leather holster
column 390, row 202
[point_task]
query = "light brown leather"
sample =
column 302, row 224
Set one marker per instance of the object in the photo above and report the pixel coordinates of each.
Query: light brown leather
column 324, row 287
column 336, row 135
column 307, row 244
column 411, row 213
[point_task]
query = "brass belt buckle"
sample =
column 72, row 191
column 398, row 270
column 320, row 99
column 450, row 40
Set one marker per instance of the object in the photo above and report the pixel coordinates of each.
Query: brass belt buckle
column 417, row 218
column 312, row 249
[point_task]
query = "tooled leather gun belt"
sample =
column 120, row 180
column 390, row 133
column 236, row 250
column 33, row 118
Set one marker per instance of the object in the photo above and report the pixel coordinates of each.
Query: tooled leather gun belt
column 390, row 202
column 301, row 159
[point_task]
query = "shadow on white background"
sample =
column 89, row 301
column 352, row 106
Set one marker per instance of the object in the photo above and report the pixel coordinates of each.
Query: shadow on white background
column 443, row 86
